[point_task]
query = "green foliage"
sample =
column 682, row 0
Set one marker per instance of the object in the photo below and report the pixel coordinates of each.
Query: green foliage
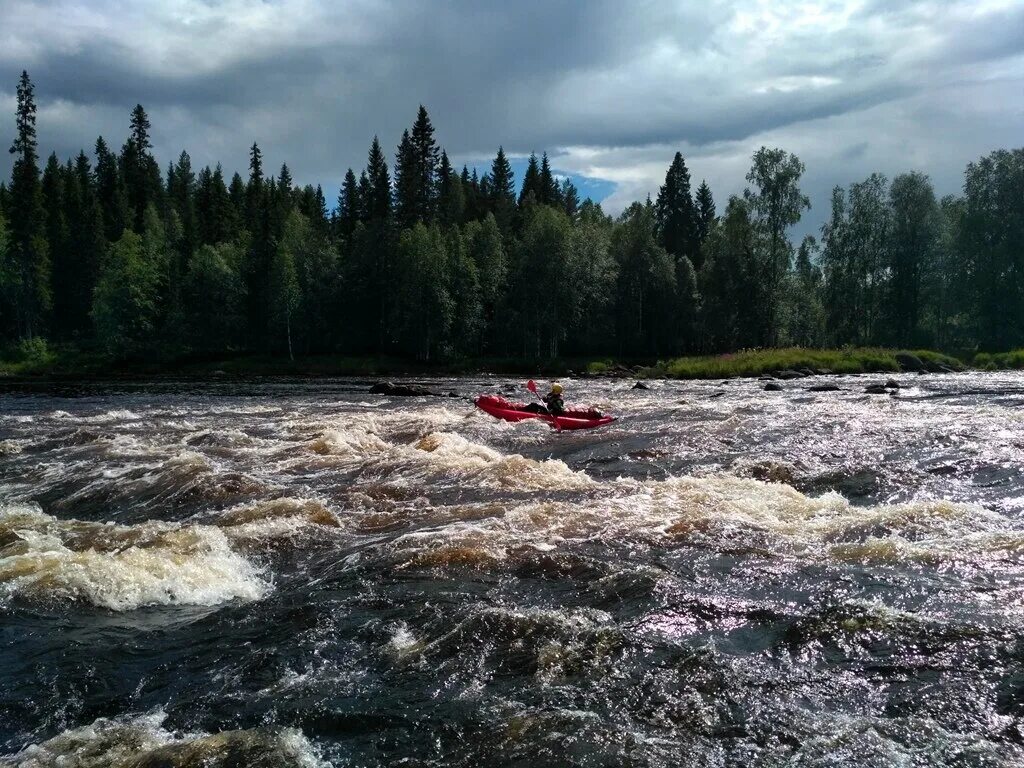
column 212, row 295
column 425, row 297
column 762, row 361
column 992, row 361
column 126, row 299
column 443, row 266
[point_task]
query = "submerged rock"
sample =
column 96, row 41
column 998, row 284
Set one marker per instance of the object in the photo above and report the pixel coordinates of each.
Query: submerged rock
column 400, row 390
column 876, row 389
column 892, row 384
column 825, row 388
column 771, row 386
column 640, row 385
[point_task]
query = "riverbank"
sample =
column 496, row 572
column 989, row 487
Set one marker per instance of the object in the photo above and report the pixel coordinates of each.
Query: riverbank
column 66, row 362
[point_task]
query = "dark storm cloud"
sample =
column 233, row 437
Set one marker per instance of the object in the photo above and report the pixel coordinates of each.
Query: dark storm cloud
column 611, row 89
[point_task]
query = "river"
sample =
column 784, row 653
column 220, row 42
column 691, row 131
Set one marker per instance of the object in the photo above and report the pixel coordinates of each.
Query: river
column 297, row 573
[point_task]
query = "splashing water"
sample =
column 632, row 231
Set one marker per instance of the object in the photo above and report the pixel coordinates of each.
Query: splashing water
column 293, row 573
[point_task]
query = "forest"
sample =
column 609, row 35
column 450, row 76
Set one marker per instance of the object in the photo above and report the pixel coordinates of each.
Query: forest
column 419, row 260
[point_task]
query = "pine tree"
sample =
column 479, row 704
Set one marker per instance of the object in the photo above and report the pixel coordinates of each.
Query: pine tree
column 570, row 198
column 502, row 193
column 365, row 196
column 143, row 184
column 236, row 197
column 451, row 199
column 29, row 270
column 349, row 206
column 677, row 220
column 705, row 205
column 87, row 244
column 416, row 173
column 58, row 242
column 110, row 191
column 550, row 192
column 532, row 191
column 378, row 199
column 405, row 183
column 181, row 191
column 254, row 190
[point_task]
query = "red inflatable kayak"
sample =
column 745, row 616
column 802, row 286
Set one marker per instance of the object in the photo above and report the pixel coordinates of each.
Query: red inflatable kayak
column 501, row 408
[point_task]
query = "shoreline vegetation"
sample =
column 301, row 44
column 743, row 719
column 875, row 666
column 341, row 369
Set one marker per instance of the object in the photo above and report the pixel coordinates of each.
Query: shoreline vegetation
column 68, row 363
column 120, row 262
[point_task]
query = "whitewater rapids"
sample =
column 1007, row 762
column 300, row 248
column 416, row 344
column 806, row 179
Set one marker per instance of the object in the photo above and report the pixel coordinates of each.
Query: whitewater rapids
column 297, row 573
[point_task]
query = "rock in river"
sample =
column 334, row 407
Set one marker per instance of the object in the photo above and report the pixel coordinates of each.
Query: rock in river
column 400, row 390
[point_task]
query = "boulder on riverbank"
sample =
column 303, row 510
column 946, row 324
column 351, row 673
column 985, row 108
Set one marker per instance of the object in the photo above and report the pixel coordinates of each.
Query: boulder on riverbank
column 909, row 362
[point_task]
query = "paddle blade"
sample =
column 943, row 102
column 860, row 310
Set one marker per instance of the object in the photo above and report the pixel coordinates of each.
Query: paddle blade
column 530, row 385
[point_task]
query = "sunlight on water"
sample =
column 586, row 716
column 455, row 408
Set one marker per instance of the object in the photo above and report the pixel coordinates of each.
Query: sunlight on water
column 301, row 574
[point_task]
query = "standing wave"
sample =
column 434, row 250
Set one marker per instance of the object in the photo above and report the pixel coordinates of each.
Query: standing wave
column 120, row 567
column 142, row 742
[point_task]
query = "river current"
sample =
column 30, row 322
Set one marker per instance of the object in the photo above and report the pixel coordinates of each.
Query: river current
column 298, row 573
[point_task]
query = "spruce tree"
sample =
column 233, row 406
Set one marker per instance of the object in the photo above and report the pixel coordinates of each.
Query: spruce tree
column 676, row 217
column 378, row 198
column 110, row 191
column 451, row 198
column 416, row 173
column 570, row 198
column 57, row 238
column 550, row 192
column 86, row 244
column 143, row 184
column 502, row 193
column 29, row 270
column 181, row 190
column 405, row 182
column 532, row 190
column 348, row 207
column 705, row 205
column 254, row 190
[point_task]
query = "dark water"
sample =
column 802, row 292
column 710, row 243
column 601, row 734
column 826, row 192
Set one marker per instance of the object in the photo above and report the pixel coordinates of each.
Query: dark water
column 296, row 573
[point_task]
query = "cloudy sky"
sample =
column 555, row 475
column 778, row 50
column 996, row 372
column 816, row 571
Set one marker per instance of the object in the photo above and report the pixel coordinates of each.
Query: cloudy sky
column 610, row 89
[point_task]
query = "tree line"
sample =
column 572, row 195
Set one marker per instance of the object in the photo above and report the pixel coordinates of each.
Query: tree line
column 420, row 260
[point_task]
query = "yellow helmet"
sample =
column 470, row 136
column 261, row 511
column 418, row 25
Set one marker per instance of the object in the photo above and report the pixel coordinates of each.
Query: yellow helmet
column 556, row 388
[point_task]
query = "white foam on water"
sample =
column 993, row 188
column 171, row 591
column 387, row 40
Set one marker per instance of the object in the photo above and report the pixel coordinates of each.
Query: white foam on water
column 730, row 510
column 133, row 741
column 445, row 454
column 120, row 567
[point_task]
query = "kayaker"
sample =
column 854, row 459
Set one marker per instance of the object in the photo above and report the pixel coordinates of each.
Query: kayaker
column 553, row 405
column 553, row 400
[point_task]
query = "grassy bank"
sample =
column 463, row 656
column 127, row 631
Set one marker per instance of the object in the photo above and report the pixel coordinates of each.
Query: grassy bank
column 40, row 360
column 763, row 361
column 1000, row 361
